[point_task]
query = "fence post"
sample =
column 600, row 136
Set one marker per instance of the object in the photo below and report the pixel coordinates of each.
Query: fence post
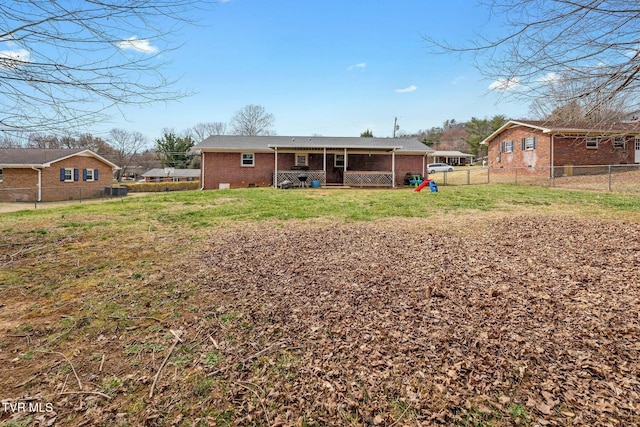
column 488, row 175
column 516, row 176
column 35, row 198
column 468, row 177
column 609, row 177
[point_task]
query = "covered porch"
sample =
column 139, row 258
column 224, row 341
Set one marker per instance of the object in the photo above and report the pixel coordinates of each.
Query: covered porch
column 361, row 166
column 306, row 178
column 453, row 158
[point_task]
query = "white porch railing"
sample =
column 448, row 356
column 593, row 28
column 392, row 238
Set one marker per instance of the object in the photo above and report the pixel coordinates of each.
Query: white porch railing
column 312, row 175
column 368, row 178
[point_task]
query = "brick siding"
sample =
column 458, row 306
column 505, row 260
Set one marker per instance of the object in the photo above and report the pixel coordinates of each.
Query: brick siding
column 20, row 184
column 567, row 151
column 225, row 168
column 574, row 151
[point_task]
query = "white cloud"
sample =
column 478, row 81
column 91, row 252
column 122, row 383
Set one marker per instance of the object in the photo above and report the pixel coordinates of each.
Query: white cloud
column 13, row 58
column 633, row 53
column 133, row 43
column 411, row 88
column 504, row 85
column 358, row 65
column 550, row 78
column 458, row 79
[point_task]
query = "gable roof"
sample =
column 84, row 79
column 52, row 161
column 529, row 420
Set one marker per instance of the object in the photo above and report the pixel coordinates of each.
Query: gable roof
column 237, row 143
column 43, row 157
column 570, row 128
column 181, row 173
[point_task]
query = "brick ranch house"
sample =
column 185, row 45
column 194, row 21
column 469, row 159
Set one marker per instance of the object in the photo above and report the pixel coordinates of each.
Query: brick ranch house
column 252, row 161
column 34, row 174
column 542, row 147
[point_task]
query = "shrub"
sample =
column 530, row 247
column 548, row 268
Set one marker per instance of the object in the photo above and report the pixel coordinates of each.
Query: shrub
column 152, row 187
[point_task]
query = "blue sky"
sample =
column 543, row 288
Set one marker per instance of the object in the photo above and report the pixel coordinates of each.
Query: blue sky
column 331, row 68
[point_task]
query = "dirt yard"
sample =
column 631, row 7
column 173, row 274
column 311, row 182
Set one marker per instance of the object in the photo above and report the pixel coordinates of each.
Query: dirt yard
column 534, row 320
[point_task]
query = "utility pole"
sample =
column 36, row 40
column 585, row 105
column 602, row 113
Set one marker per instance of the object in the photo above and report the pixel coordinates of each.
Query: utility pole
column 395, row 126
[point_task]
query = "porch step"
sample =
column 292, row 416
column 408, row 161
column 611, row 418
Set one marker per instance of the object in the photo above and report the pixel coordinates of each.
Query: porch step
column 336, row 186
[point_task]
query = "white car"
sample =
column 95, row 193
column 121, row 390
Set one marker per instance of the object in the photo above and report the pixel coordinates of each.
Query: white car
column 439, row 167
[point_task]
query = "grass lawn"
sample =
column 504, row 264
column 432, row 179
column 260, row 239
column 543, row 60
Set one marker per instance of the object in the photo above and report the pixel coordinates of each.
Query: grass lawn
column 475, row 306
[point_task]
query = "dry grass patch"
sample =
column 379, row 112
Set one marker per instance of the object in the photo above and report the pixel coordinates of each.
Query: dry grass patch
column 467, row 318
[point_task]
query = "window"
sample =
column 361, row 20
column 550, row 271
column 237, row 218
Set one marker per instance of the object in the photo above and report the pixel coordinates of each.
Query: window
column 0, row 174
column 87, row 175
column 528, row 143
column 619, row 142
column 339, row 161
column 507, row 146
column 248, row 159
column 68, row 175
column 592, row 142
column 302, row 159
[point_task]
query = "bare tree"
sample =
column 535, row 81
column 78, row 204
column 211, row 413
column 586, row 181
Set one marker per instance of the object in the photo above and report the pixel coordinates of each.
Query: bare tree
column 42, row 140
column 127, row 145
column 252, row 120
column 593, row 44
column 7, row 142
column 566, row 101
column 454, row 138
column 66, row 64
column 202, row 131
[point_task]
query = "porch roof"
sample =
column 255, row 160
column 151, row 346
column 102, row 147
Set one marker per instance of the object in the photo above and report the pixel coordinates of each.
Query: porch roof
column 449, row 154
column 270, row 143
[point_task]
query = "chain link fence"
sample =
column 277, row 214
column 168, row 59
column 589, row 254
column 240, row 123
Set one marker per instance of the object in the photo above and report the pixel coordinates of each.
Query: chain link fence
column 614, row 178
column 32, row 197
column 60, row 193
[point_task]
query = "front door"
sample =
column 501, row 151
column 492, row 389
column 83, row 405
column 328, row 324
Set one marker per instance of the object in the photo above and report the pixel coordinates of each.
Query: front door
column 637, row 150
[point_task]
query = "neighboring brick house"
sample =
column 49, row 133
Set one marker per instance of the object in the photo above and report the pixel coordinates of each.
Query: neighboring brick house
column 171, row 175
column 542, row 146
column 33, row 174
column 252, row 161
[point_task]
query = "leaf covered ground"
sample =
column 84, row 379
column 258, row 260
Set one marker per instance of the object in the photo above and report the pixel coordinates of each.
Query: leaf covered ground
column 526, row 320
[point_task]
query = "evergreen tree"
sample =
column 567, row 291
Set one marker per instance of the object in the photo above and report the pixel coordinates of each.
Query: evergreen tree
column 175, row 151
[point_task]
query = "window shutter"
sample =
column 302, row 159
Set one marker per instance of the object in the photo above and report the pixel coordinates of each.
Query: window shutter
column 523, row 144
column 84, row 174
column 535, row 141
column 76, row 174
column 62, row 174
column 95, row 174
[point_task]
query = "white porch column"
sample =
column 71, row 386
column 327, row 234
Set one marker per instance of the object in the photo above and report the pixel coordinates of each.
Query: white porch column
column 324, row 159
column 275, row 172
column 324, row 164
column 393, row 168
column 344, row 165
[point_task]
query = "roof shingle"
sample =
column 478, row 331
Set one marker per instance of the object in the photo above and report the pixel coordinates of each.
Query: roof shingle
column 269, row 143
